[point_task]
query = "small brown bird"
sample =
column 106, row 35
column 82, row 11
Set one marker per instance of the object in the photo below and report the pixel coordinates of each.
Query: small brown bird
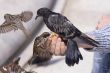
column 14, row 67
column 41, row 54
column 14, row 22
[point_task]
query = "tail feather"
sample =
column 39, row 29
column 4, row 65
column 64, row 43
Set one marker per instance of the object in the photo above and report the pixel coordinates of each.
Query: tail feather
column 72, row 54
column 89, row 40
column 80, row 56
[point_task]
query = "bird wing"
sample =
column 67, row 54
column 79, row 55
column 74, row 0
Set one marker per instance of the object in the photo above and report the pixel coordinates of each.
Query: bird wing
column 7, row 27
column 19, row 25
column 61, row 25
column 26, row 16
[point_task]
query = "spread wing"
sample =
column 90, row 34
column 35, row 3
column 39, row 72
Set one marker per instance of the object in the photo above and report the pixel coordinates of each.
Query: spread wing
column 7, row 27
column 20, row 25
column 26, row 16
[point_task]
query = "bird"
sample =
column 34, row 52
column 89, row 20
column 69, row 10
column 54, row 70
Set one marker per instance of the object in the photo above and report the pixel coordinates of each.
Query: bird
column 14, row 67
column 41, row 54
column 60, row 25
column 15, row 22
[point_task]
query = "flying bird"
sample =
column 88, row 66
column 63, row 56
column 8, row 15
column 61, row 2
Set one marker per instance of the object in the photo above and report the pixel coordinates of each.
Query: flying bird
column 59, row 24
column 15, row 22
column 41, row 54
column 14, row 67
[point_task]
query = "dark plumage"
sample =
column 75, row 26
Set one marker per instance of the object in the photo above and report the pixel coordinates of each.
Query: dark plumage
column 67, row 31
column 14, row 67
column 41, row 53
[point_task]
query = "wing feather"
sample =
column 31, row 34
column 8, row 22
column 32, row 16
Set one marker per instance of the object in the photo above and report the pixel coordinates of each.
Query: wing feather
column 20, row 26
column 60, row 24
column 26, row 16
column 6, row 27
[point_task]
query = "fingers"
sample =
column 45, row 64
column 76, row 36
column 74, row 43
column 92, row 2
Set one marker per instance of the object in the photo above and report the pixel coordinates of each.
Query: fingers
column 57, row 46
column 105, row 20
column 53, row 44
column 48, row 43
column 62, row 48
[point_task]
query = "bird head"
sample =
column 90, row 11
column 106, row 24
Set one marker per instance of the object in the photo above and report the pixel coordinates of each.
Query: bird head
column 43, row 12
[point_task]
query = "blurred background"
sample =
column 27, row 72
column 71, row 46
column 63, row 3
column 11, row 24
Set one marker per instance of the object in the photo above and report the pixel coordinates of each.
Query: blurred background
column 84, row 14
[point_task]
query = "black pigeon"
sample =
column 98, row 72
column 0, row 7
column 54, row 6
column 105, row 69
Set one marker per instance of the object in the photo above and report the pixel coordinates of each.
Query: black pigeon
column 67, row 31
column 14, row 67
column 41, row 54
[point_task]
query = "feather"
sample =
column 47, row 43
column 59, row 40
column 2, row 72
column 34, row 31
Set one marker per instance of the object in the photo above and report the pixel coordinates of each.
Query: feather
column 41, row 54
column 13, row 67
column 14, row 22
column 6, row 27
column 26, row 16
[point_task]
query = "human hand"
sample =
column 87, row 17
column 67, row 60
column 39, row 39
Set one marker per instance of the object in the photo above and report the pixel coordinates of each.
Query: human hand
column 57, row 46
column 105, row 20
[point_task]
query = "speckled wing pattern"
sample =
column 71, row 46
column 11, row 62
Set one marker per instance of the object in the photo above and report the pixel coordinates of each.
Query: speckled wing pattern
column 13, row 67
column 40, row 48
column 41, row 53
column 14, row 22
column 7, row 27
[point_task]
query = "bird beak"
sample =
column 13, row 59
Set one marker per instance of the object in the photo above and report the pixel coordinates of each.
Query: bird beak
column 36, row 17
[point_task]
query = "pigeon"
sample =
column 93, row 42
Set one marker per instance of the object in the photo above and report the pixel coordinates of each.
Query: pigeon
column 60, row 25
column 15, row 22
